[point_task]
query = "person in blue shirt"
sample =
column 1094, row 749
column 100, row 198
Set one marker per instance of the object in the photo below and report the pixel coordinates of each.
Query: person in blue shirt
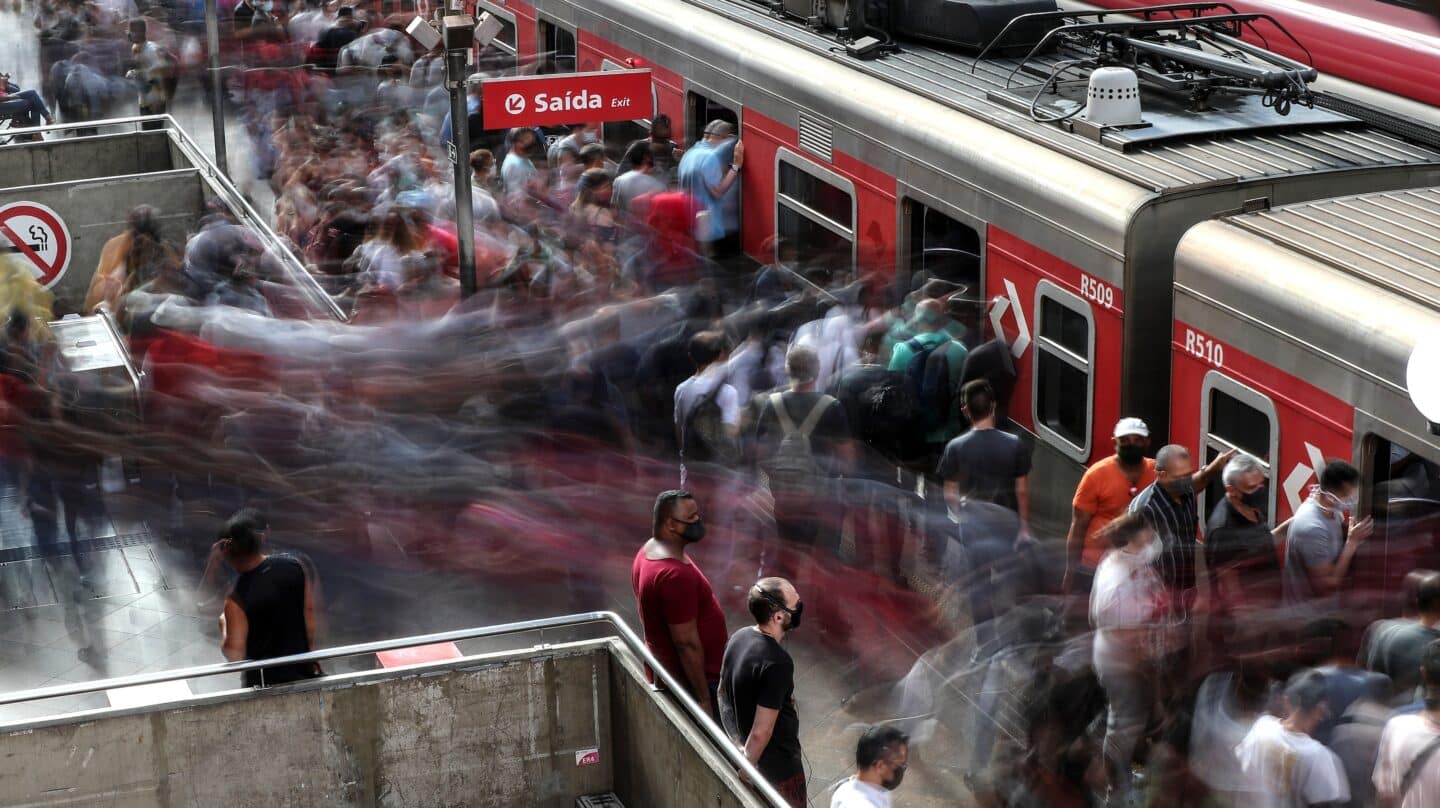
column 709, row 178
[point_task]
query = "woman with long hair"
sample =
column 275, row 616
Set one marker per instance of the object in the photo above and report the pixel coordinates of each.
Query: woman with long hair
column 130, row 259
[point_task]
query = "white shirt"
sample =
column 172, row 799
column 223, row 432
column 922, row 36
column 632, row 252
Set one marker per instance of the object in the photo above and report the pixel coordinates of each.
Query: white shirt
column 1126, row 594
column 1400, row 743
column 694, row 390
column 1286, row 769
column 855, row 793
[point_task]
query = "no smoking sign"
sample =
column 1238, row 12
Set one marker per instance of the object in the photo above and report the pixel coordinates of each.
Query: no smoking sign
column 38, row 236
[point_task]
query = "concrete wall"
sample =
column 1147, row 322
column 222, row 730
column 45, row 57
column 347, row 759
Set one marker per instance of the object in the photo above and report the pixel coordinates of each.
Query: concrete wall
column 94, row 210
column 500, row 730
column 662, row 760
column 84, row 158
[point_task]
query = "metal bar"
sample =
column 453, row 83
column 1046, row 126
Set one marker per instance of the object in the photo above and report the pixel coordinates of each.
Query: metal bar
column 717, row 736
column 457, row 69
column 217, row 85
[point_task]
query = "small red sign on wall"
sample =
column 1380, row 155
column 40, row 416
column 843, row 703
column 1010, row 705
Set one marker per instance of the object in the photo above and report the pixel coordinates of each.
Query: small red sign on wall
column 587, row 757
column 607, row 95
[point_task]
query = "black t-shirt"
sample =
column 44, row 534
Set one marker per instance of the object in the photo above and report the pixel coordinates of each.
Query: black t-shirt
column 993, row 362
column 273, row 598
column 757, row 672
column 824, row 440
column 1232, row 539
column 986, row 463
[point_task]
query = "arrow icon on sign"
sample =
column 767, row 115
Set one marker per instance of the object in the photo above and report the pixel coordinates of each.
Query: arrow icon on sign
column 997, row 312
column 1301, row 474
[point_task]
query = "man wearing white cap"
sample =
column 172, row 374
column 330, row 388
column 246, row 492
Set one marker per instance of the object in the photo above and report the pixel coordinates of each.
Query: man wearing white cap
column 1103, row 494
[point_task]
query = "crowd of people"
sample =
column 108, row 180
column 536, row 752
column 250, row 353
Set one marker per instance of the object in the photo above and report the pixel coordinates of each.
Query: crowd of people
column 816, row 428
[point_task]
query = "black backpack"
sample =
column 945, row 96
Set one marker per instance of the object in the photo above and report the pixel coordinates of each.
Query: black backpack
column 938, row 388
column 915, row 371
column 701, row 433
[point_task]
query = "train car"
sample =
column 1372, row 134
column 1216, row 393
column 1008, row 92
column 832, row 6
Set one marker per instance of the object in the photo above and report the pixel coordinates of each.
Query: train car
column 1293, row 330
column 900, row 159
column 1390, row 45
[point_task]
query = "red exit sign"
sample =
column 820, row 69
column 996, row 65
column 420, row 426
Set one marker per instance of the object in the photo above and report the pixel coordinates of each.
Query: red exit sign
column 609, row 95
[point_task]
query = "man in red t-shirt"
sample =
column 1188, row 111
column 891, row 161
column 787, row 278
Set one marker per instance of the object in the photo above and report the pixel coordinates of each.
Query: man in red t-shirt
column 684, row 627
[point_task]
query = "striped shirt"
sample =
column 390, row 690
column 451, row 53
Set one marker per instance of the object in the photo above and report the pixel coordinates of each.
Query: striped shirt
column 1176, row 526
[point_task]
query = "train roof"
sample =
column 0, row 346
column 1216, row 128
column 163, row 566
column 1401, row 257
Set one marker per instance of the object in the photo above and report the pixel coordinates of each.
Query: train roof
column 1340, row 290
column 1216, row 157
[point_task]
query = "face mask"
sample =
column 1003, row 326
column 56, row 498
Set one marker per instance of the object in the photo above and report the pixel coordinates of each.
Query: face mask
column 895, row 779
column 693, row 531
column 1130, row 454
column 1257, row 499
column 1178, row 486
column 795, row 615
column 589, row 137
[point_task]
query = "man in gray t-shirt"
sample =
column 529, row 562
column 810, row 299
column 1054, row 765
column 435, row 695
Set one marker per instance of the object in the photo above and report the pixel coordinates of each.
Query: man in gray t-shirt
column 1318, row 547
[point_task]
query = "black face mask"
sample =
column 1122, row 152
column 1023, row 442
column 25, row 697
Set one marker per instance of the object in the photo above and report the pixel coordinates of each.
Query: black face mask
column 693, row 531
column 1130, row 454
column 795, row 615
column 1259, row 500
column 895, row 779
column 1179, row 486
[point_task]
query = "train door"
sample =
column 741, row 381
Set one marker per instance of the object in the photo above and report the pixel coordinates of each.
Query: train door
column 1401, row 491
column 814, row 211
column 618, row 135
column 937, row 241
column 1234, row 416
column 558, row 50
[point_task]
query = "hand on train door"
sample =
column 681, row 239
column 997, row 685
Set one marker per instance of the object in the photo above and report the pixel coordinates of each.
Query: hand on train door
column 1360, row 531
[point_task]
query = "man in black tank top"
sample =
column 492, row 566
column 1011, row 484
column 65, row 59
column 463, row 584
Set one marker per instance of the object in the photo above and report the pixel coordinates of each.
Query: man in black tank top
column 270, row 610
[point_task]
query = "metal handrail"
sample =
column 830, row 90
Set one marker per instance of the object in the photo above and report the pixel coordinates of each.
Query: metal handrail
column 225, row 189
column 627, row 635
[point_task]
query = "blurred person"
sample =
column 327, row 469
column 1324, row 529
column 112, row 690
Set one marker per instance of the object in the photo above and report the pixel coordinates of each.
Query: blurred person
column 1407, row 768
column 1356, row 741
column 663, row 151
column 708, row 178
column 637, row 184
column 1239, row 546
column 802, row 444
column 1105, row 491
column 389, row 249
column 1283, row 764
column 683, row 624
column 517, row 170
column 1126, row 602
column 707, row 410
column 1226, row 706
column 670, row 259
column 774, row 281
column 994, row 361
column 1169, row 505
column 757, row 688
column 881, row 759
column 1330, row 642
column 591, row 211
column 270, row 610
column 567, row 149
column 129, row 260
column 1396, row 648
column 912, row 356
column 154, row 70
column 325, row 53
column 306, row 25
column 1320, row 545
column 484, row 207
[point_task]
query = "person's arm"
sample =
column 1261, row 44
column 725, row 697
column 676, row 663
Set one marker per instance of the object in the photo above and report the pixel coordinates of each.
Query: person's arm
column 1201, row 478
column 234, row 629
column 760, row 731
column 1022, row 502
column 1075, row 545
column 732, row 172
column 952, row 495
column 691, row 651
column 1327, row 579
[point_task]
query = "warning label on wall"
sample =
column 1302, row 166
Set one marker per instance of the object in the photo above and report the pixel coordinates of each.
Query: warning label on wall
column 37, row 235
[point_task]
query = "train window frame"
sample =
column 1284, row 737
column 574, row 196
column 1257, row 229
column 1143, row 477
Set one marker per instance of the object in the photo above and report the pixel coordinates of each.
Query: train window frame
column 904, row 250
column 1254, row 399
column 609, row 65
column 542, row 20
column 786, row 156
column 1049, row 290
column 508, row 16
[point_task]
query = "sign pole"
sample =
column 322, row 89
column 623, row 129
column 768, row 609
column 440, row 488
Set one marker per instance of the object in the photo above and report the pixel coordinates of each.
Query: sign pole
column 456, row 69
column 217, row 86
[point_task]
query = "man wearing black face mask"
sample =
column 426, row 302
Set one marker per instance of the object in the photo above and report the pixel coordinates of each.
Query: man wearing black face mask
column 881, row 758
column 1103, row 494
column 684, row 626
column 1239, row 549
column 757, row 688
column 1170, row 507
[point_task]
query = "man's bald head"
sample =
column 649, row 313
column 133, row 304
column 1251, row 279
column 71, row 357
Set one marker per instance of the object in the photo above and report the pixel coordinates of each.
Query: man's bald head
column 929, row 315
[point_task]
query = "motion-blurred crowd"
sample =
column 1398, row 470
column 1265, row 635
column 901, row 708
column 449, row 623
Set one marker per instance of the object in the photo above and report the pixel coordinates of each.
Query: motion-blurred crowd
column 833, row 428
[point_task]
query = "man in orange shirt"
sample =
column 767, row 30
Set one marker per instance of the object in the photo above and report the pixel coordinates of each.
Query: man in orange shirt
column 1103, row 494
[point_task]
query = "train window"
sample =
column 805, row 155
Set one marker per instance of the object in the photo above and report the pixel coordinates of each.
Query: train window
column 558, row 51
column 815, row 210
column 1233, row 416
column 701, row 110
column 1064, row 374
column 618, row 135
column 499, row 56
column 942, row 247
